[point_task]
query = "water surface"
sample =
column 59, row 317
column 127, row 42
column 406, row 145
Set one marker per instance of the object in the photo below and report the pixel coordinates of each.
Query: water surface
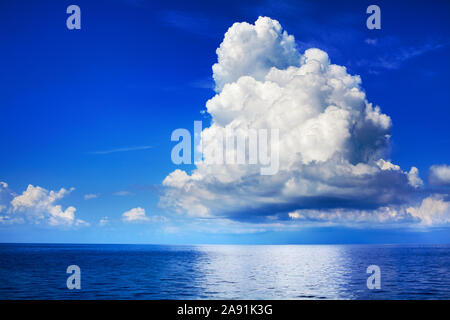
column 38, row 271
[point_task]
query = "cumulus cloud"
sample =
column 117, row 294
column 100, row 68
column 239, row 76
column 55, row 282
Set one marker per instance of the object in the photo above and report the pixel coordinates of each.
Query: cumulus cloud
column 135, row 215
column 333, row 142
column 413, row 175
column 253, row 50
column 440, row 175
column 38, row 205
column 434, row 210
column 138, row 215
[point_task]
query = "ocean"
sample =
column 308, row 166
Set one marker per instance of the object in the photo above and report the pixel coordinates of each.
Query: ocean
column 38, row 271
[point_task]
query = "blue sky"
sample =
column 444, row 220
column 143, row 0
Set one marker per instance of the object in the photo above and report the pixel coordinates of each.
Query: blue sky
column 94, row 109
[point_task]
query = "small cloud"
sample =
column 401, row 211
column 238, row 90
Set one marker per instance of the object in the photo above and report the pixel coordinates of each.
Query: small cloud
column 122, row 193
column 294, row 215
column 81, row 223
column 158, row 219
column 121, row 150
column 91, row 196
column 103, row 221
column 372, row 42
column 440, row 175
column 207, row 83
column 135, row 215
column 11, row 220
column 394, row 54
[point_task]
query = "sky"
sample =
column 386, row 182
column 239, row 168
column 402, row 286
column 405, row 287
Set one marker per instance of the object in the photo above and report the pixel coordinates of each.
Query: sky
column 87, row 117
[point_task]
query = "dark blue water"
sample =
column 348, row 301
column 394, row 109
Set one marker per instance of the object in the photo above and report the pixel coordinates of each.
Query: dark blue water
column 37, row 271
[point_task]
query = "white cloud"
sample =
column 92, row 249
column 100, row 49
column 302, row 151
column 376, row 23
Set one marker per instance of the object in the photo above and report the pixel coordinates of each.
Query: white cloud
column 433, row 210
column 91, row 196
column 38, row 204
column 413, row 178
column 371, row 41
column 138, row 215
column 7, row 219
column 393, row 54
column 382, row 215
column 122, row 193
column 5, row 199
column 135, row 215
column 332, row 140
column 158, row 219
column 103, row 221
column 252, row 50
column 440, row 175
column 413, row 175
column 121, row 150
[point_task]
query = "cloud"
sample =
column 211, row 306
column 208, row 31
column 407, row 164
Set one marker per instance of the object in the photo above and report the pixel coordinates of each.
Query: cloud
column 103, row 221
column 91, row 196
column 439, row 175
column 122, row 193
column 37, row 204
column 5, row 194
column 371, row 41
column 433, row 210
column 333, row 142
column 252, row 50
column 413, row 178
column 392, row 54
column 158, row 219
column 138, row 215
column 135, row 215
column 121, row 150
column 383, row 216
column 7, row 219
column 5, row 198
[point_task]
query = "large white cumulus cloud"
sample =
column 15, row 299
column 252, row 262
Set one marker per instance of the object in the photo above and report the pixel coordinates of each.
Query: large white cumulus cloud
column 332, row 141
